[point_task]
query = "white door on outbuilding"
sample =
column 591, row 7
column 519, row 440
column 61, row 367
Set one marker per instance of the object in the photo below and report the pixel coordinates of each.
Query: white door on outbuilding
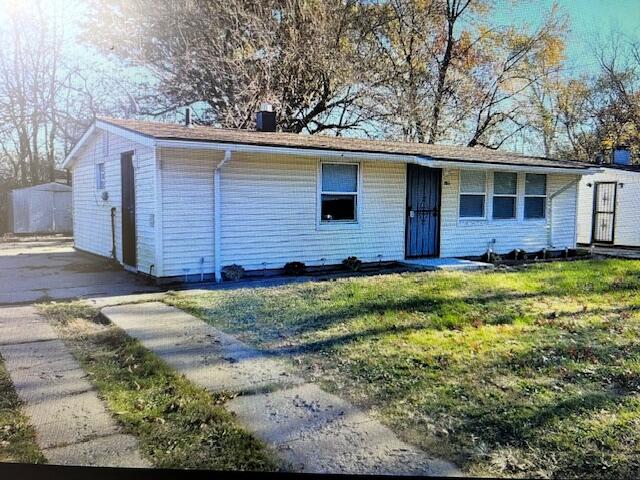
column 62, row 212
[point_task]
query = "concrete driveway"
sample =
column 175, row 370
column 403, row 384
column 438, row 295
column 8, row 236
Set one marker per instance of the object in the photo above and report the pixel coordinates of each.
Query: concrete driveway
column 50, row 268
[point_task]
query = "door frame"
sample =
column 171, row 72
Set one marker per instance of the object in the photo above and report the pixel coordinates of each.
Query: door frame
column 594, row 213
column 407, row 218
column 134, row 253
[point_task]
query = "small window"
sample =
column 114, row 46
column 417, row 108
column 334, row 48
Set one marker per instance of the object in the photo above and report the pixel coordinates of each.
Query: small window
column 339, row 192
column 472, row 193
column 535, row 196
column 505, row 192
column 100, row 176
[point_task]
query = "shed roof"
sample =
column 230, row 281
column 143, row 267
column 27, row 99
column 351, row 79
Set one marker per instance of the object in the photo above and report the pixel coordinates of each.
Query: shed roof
column 50, row 187
column 171, row 131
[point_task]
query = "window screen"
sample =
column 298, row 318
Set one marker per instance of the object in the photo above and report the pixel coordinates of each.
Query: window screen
column 535, row 196
column 339, row 196
column 505, row 191
column 472, row 193
column 339, row 178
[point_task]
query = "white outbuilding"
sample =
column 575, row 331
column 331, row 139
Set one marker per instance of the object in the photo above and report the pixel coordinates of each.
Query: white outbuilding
column 44, row 208
column 184, row 201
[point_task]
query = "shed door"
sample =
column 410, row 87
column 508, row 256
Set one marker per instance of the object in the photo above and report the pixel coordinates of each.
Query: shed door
column 423, row 211
column 128, row 210
column 62, row 212
column 604, row 212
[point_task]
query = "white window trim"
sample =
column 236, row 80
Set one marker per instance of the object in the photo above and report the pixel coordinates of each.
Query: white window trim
column 505, row 195
column 525, row 196
column 100, row 185
column 460, row 193
column 357, row 223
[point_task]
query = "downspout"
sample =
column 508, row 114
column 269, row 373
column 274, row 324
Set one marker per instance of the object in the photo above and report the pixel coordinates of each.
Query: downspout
column 551, row 197
column 217, row 234
column 113, row 233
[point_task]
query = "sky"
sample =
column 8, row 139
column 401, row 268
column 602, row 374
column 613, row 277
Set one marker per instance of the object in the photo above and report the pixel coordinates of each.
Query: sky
column 587, row 20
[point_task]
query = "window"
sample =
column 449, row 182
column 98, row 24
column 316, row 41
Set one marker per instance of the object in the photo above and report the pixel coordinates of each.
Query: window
column 505, row 193
column 535, row 196
column 339, row 192
column 472, row 193
column 100, row 176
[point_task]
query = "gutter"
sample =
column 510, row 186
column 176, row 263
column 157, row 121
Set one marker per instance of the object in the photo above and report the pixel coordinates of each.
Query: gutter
column 217, row 221
column 550, row 207
column 372, row 156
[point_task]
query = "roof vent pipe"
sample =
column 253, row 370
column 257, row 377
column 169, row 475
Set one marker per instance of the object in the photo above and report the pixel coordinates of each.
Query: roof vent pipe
column 187, row 117
column 622, row 155
column 266, row 118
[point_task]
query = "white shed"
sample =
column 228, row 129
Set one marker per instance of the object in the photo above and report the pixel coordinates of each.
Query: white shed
column 609, row 207
column 44, row 208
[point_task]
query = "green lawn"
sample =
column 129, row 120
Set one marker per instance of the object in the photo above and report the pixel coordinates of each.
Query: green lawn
column 17, row 437
column 178, row 425
column 532, row 372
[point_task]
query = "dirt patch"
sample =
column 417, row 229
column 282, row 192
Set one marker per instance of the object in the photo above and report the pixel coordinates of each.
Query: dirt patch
column 93, row 267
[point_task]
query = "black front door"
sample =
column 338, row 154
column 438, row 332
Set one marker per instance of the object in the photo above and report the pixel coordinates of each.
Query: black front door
column 423, row 211
column 604, row 212
column 128, row 210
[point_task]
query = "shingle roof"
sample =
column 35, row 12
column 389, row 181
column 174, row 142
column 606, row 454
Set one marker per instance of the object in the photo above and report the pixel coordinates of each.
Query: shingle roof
column 171, row 131
column 628, row 168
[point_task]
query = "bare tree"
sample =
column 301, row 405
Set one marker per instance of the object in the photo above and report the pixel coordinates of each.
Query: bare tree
column 48, row 95
column 230, row 56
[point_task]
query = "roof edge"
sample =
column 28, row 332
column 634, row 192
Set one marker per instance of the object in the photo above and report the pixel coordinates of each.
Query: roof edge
column 176, row 142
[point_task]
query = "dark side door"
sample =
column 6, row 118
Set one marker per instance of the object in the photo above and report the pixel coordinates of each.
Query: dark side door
column 604, row 212
column 423, row 211
column 128, row 210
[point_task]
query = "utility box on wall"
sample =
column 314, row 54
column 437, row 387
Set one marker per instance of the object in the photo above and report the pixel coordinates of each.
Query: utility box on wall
column 42, row 208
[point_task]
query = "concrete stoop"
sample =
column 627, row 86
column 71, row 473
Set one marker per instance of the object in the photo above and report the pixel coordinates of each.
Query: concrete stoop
column 312, row 430
column 450, row 264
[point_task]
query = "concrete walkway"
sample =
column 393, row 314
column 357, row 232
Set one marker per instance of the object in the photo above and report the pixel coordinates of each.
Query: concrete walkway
column 72, row 424
column 312, row 430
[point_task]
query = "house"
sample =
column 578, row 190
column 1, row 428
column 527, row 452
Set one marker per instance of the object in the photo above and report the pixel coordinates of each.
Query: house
column 184, row 201
column 44, row 208
column 609, row 206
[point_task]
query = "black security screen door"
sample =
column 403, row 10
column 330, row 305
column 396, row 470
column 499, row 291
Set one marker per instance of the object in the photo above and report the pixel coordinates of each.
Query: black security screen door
column 604, row 212
column 423, row 211
column 128, row 210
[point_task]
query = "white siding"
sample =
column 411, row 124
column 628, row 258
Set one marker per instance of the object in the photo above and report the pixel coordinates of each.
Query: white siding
column 270, row 213
column 460, row 237
column 92, row 215
column 627, row 223
column 187, row 210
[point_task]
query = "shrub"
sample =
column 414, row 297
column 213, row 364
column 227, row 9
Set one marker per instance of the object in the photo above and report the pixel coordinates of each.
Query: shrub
column 534, row 255
column 516, row 254
column 232, row 272
column 352, row 263
column 490, row 257
column 295, row 268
